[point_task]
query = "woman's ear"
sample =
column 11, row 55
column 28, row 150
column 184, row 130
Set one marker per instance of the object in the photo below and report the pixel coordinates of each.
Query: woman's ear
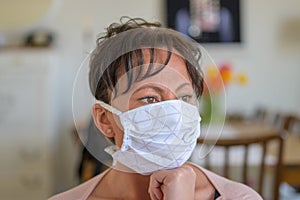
column 101, row 120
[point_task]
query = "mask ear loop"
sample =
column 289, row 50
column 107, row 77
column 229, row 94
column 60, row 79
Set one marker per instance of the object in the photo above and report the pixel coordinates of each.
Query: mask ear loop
column 111, row 150
column 109, row 107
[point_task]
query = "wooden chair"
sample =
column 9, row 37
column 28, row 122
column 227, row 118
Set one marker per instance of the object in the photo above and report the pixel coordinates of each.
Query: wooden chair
column 291, row 160
column 292, row 124
column 246, row 144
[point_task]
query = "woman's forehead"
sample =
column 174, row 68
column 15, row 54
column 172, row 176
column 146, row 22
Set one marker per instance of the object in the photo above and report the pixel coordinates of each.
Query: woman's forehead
column 139, row 59
column 170, row 76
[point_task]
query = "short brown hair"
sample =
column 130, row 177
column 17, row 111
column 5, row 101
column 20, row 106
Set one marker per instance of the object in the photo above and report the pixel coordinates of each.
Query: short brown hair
column 139, row 34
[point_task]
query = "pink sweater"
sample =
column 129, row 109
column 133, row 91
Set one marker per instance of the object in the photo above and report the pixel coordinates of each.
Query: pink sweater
column 229, row 190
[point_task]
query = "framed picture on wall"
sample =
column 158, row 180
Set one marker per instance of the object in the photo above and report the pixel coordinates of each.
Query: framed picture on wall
column 206, row 21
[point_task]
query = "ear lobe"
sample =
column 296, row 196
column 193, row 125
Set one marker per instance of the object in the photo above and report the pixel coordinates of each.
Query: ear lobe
column 102, row 121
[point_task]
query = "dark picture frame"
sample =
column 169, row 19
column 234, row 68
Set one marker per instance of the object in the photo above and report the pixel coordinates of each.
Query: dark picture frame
column 206, row 21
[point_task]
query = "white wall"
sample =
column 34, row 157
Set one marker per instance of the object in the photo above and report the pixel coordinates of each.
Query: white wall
column 273, row 70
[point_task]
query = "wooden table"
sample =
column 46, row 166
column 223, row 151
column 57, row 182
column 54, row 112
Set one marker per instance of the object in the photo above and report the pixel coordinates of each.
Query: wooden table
column 241, row 133
column 237, row 130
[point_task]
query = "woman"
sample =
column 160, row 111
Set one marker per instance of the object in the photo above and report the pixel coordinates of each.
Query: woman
column 147, row 82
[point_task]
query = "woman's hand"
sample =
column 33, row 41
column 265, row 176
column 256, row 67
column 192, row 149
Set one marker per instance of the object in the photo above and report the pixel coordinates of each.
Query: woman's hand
column 174, row 184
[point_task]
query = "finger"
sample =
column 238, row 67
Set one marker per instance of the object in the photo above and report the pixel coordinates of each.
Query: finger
column 159, row 177
column 155, row 194
column 155, row 189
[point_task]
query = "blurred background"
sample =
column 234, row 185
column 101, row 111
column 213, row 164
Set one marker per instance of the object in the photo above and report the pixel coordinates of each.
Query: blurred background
column 42, row 44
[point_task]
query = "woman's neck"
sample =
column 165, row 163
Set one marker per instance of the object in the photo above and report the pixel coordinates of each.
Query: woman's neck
column 123, row 185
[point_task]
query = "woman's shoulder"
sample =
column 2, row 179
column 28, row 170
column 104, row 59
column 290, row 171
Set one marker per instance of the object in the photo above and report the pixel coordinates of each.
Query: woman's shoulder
column 80, row 192
column 229, row 189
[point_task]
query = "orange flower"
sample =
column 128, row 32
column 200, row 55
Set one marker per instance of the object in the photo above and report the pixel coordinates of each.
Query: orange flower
column 226, row 73
column 216, row 78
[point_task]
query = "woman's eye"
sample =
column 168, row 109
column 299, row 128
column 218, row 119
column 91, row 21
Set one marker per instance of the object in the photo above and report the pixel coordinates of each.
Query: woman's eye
column 148, row 100
column 187, row 98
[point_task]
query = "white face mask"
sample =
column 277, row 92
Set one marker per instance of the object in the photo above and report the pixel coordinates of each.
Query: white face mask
column 157, row 136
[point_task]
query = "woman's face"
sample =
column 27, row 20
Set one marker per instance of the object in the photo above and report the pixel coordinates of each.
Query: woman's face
column 173, row 82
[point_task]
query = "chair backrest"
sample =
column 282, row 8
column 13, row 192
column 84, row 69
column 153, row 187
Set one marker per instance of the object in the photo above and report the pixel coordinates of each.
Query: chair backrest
column 279, row 120
column 227, row 145
column 292, row 124
column 260, row 114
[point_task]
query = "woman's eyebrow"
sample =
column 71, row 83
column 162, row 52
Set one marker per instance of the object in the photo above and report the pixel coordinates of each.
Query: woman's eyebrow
column 157, row 89
column 182, row 86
